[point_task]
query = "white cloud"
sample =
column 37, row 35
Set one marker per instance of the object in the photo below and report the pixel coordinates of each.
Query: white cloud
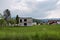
column 33, row 8
column 58, row 3
column 54, row 13
column 22, row 6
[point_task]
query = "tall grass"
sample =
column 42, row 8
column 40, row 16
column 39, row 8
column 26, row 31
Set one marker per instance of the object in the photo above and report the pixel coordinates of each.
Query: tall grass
column 39, row 32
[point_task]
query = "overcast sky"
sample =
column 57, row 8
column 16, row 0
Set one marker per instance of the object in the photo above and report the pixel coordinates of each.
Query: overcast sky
column 32, row 8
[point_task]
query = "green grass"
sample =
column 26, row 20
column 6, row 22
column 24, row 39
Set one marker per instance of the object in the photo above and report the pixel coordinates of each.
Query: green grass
column 38, row 32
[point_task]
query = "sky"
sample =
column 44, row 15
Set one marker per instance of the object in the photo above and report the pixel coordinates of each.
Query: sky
column 32, row 8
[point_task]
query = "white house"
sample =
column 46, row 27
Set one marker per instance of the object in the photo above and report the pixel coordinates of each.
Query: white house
column 34, row 23
column 58, row 21
column 25, row 21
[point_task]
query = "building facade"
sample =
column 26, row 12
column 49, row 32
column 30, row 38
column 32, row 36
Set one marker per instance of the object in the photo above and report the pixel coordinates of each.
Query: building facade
column 25, row 21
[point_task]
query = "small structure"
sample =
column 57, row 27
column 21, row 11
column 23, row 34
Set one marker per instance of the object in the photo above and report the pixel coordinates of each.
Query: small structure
column 52, row 21
column 25, row 21
column 58, row 21
column 34, row 23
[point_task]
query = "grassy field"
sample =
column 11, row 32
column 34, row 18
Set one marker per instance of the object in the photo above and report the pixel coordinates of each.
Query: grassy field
column 39, row 32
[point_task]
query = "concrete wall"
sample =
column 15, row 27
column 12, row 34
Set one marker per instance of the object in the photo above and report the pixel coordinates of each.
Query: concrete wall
column 29, row 22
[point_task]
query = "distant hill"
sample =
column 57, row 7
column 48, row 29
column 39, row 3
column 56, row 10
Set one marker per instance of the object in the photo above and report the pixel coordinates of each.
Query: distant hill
column 42, row 20
column 37, row 20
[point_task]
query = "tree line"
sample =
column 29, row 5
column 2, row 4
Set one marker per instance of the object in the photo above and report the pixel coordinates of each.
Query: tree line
column 7, row 20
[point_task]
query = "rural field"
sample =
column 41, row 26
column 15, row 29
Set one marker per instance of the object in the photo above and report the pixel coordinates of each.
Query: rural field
column 38, row 32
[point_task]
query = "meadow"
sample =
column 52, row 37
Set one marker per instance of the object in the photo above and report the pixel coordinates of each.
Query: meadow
column 38, row 32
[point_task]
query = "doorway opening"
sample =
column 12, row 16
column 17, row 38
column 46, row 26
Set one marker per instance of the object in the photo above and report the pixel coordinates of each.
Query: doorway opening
column 25, row 24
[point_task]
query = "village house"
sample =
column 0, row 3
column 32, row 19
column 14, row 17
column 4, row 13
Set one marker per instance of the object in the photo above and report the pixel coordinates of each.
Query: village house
column 52, row 21
column 58, row 21
column 25, row 21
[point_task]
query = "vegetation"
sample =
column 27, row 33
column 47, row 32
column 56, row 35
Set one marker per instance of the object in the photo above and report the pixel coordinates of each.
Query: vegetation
column 39, row 32
column 6, row 19
column 7, row 14
column 2, row 22
column 37, row 21
column 1, row 16
column 12, row 21
column 17, row 20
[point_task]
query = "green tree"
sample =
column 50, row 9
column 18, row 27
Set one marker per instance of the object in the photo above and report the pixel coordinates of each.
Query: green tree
column 1, row 16
column 2, row 22
column 7, row 16
column 17, row 20
column 12, row 21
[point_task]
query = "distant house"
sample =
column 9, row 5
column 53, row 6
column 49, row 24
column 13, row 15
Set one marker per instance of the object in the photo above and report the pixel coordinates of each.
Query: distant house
column 52, row 21
column 25, row 21
column 58, row 21
column 34, row 23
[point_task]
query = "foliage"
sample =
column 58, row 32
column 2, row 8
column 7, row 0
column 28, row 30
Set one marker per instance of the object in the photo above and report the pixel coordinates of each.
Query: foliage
column 2, row 22
column 7, row 14
column 1, row 16
column 36, row 20
column 12, row 21
column 17, row 19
